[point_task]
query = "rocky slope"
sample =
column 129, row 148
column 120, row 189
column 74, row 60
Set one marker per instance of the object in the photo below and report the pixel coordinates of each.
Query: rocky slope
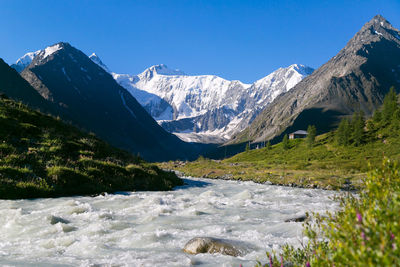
column 90, row 98
column 356, row 78
column 13, row 86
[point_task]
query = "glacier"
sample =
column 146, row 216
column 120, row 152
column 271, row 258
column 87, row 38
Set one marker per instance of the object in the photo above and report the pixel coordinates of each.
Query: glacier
column 198, row 108
column 206, row 108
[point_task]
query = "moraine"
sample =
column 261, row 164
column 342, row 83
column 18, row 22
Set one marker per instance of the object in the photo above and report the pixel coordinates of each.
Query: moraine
column 151, row 228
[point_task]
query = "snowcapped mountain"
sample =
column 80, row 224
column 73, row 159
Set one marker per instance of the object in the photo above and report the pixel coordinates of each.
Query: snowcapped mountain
column 98, row 61
column 84, row 94
column 199, row 108
column 206, row 108
column 24, row 61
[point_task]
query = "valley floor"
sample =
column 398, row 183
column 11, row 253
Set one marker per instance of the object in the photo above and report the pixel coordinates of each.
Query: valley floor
column 325, row 165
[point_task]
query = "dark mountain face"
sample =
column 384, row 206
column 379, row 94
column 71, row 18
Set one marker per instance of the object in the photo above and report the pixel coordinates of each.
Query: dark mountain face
column 357, row 78
column 15, row 87
column 89, row 97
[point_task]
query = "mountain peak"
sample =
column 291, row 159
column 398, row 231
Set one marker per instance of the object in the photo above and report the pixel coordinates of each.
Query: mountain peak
column 47, row 53
column 96, row 59
column 379, row 19
column 375, row 30
column 290, row 76
column 24, row 61
column 302, row 69
column 51, row 50
column 378, row 26
column 160, row 69
column 355, row 79
column 378, row 22
column 27, row 58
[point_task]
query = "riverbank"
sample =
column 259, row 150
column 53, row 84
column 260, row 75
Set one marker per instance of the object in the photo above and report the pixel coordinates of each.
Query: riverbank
column 363, row 233
column 325, row 165
column 211, row 169
column 40, row 156
column 281, row 178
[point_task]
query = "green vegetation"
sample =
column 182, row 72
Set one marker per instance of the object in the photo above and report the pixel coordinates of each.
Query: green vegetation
column 365, row 232
column 268, row 145
column 351, row 132
column 285, row 142
column 41, row 156
column 311, row 134
column 343, row 133
column 338, row 159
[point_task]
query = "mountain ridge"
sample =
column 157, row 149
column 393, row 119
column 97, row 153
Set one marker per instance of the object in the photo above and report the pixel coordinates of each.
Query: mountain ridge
column 356, row 78
column 199, row 108
column 90, row 98
column 206, row 107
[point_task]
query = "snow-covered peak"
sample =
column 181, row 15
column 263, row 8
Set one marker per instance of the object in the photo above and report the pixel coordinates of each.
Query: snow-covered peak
column 160, row 69
column 284, row 78
column 206, row 104
column 25, row 60
column 48, row 51
column 98, row 61
column 303, row 70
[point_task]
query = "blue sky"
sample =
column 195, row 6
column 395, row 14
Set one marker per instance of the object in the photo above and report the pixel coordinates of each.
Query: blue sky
column 243, row 40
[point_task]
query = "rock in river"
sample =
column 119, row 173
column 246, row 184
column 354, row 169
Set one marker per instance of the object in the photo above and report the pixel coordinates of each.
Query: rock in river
column 210, row 245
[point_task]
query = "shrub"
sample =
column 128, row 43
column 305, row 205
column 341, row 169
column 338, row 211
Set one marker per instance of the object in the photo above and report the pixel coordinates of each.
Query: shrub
column 364, row 232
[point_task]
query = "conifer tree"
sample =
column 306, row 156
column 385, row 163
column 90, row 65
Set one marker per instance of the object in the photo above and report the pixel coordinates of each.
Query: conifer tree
column 377, row 117
column 268, row 146
column 389, row 105
column 285, row 142
column 247, row 149
column 343, row 132
column 358, row 124
column 311, row 134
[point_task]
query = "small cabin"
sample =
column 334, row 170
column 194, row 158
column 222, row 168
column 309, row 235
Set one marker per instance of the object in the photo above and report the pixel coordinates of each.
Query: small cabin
column 298, row 134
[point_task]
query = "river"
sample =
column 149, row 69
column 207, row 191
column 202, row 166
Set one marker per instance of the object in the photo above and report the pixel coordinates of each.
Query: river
column 151, row 228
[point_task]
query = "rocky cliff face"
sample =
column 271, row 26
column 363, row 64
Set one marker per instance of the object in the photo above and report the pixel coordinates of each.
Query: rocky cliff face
column 357, row 78
column 12, row 85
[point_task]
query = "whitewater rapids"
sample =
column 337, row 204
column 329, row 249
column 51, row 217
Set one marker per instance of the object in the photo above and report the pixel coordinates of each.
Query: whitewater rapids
column 151, row 228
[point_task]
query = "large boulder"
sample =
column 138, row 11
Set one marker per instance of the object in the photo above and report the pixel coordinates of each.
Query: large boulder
column 211, row 245
column 301, row 218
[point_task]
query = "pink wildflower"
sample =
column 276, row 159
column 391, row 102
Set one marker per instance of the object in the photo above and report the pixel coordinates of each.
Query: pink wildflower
column 363, row 235
column 359, row 217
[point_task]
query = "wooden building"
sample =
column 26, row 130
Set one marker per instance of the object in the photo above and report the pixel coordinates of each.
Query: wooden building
column 298, row 134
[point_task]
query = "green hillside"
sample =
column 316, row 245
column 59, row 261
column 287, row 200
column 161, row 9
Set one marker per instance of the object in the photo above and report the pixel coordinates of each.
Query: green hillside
column 40, row 156
column 329, row 162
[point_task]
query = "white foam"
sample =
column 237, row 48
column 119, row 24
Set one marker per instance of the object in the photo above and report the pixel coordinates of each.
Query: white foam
column 151, row 228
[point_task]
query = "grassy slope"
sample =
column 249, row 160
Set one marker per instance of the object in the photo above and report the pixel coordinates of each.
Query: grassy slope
column 41, row 156
column 326, row 165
